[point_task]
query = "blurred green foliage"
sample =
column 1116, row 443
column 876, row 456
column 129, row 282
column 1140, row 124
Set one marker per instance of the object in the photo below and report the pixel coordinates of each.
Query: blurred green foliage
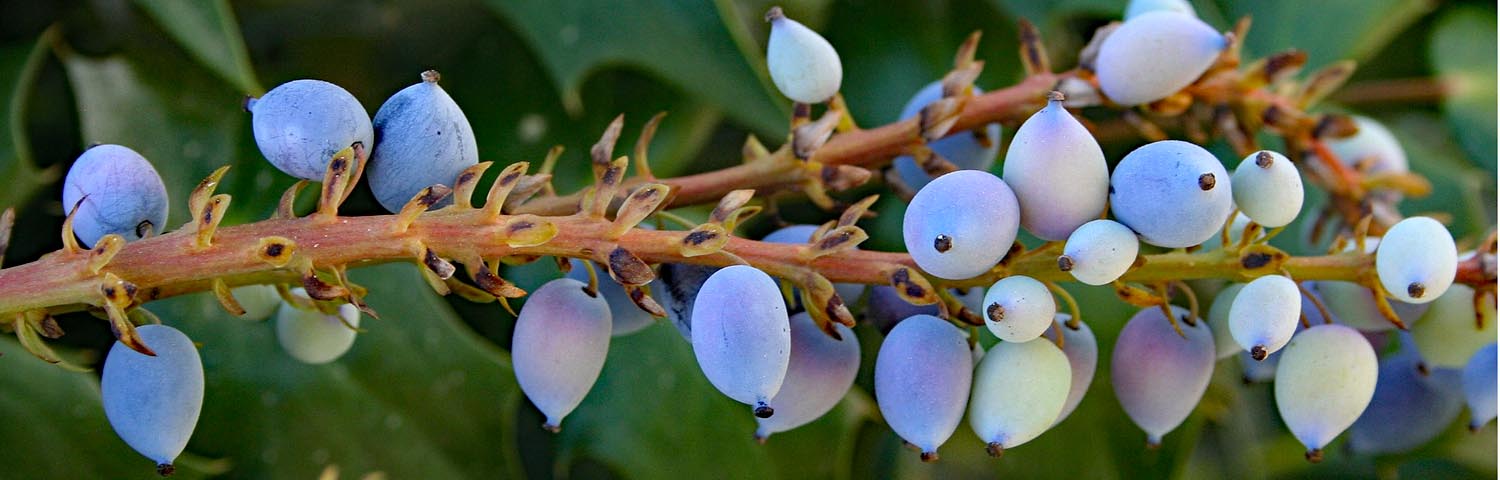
column 427, row 391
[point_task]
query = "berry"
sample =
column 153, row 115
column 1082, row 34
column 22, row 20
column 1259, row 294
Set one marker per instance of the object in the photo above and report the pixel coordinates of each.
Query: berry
column 259, row 301
column 741, row 335
column 1354, row 305
column 1173, row 193
column 1155, row 54
column 625, row 317
column 964, row 150
column 1416, row 260
column 422, row 139
column 922, row 378
column 1373, row 148
column 559, row 345
column 886, row 308
column 1082, row 351
column 1019, row 391
column 1264, row 315
column 820, row 372
column 301, row 124
column 1324, row 381
column 121, row 192
column 1057, row 171
column 1479, row 387
column 1140, row 7
column 1157, row 375
column 961, row 224
column 803, row 65
column 1099, row 252
column 1018, row 308
column 153, row 402
column 314, row 337
column 1268, row 189
column 1409, row 408
column 1449, row 333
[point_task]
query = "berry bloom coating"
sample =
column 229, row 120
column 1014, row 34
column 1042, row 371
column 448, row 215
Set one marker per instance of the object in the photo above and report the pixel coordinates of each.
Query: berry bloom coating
column 153, row 402
column 1057, row 171
column 124, row 195
column 1449, row 333
column 1409, row 408
column 803, row 65
column 1099, row 252
column 259, row 301
column 1173, row 193
column 1157, row 375
column 1268, row 189
column 1264, row 315
column 558, row 348
column 1479, row 380
column 1324, row 381
column 961, row 224
column 1019, row 391
column 741, row 335
column 1218, row 321
column 422, row 139
column 922, row 378
column 314, row 337
column 1155, row 54
column 820, row 372
column 1018, row 308
column 1137, row 8
column 301, row 124
column 1416, row 260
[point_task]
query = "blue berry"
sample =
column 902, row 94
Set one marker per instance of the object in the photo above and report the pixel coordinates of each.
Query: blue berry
column 1172, row 193
column 125, row 196
column 422, row 139
column 301, row 124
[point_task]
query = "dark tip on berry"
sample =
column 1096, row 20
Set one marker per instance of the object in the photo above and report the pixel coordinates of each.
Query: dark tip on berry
column 761, row 439
column 764, row 411
column 1065, row 263
column 144, row 229
column 774, row 14
column 1475, row 428
column 1055, row 96
column 1416, row 289
column 1422, row 369
column 166, row 469
column 994, row 449
column 551, row 428
column 1150, row 445
column 248, row 103
column 431, row 76
column 1315, row 455
column 1263, row 159
column 943, row 243
column 995, row 312
column 1258, row 352
column 929, row 457
column 1207, row 181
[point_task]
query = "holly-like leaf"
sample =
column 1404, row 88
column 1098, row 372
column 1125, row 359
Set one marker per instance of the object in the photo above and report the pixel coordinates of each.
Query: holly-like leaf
column 19, row 64
column 1462, row 52
column 696, row 46
column 207, row 29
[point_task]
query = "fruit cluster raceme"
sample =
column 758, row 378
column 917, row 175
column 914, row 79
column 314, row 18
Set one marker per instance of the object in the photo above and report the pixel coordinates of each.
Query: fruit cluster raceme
column 784, row 347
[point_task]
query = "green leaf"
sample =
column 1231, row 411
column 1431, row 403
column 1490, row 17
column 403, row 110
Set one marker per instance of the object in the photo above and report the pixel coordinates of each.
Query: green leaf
column 652, row 414
column 1328, row 30
column 207, row 29
column 1462, row 52
column 418, row 396
column 693, row 45
column 19, row 64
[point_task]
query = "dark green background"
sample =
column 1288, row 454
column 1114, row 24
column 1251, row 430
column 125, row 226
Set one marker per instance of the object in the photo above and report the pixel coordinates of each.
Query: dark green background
column 427, row 392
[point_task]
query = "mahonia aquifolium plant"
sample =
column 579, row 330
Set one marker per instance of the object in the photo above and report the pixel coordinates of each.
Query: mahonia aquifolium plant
column 769, row 321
